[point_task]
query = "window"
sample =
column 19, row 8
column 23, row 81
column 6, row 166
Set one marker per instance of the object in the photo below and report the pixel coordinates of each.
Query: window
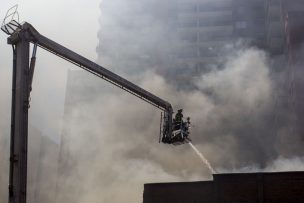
column 187, row 7
column 188, row 52
column 188, row 23
column 189, row 37
column 241, row 10
column 215, row 6
column 241, row 25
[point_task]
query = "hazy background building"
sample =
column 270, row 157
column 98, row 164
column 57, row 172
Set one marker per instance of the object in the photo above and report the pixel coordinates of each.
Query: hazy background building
column 42, row 167
column 208, row 28
column 82, row 89
column 137, row 36
column 274, row 26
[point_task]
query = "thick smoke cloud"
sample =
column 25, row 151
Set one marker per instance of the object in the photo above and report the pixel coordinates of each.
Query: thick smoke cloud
column 137, row 36
column 278, row 165
column 112, row 138
column 240, row 95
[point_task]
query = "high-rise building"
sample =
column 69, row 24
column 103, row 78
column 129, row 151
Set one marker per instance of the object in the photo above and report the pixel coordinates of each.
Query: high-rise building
column 274, row 26
column 292, row 13
column 284, row 28
column 249, row 22
column 184, row 38
column 81, row 87
column 206, row 27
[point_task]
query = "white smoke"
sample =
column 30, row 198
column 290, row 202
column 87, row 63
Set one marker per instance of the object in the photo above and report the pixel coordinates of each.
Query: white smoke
column 112, row 138
column 110, row 145
column 280, row 164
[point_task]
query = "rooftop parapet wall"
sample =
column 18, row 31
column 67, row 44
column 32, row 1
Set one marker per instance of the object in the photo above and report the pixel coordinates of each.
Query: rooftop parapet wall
column 284, row 187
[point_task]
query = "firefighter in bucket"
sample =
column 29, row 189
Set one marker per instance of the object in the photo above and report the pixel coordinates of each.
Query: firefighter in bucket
column 180, row 128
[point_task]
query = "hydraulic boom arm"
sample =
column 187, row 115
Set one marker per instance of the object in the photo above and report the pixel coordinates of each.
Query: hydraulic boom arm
column 173, row 131
column 35, row 37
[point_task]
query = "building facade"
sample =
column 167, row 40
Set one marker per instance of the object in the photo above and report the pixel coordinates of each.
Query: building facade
column 185, row 38
column 207, row 27
column 293, row 15
column 274, row 26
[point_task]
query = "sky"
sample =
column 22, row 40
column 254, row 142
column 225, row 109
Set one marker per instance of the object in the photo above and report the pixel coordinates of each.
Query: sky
column 73, row 24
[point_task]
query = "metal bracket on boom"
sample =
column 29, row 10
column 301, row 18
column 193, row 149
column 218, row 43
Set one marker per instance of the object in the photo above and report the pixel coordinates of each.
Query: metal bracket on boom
column 10, row 22
column 32, row 68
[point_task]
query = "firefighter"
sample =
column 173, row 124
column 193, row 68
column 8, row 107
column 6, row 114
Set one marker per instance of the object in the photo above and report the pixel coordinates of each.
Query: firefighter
column 187, row 126
column 188, row 123
column 179, row 116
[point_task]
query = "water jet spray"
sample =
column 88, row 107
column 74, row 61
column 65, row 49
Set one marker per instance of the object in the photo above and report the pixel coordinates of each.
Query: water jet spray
column 203, row 158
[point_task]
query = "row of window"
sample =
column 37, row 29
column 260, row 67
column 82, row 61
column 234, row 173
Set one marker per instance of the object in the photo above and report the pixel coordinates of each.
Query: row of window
column 249, row 12
column 222, row 26
column 194, row 38
column 203, row 21
column 203, row 7
column 223, row 21
column 249, row 3
column 198, row 67
column 220, row 21
column 193, row 52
